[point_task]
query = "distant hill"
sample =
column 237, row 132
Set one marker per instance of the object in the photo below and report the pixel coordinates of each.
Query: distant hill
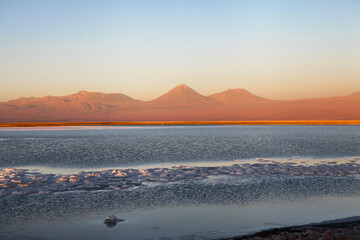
column 235, row 96
column 67, row 108
column 356, row 94
column 180, row 103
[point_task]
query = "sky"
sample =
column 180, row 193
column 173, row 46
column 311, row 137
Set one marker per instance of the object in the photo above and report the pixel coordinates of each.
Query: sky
column 277, row 49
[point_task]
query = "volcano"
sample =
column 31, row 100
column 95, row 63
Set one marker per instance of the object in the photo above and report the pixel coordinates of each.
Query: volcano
column 182, row 96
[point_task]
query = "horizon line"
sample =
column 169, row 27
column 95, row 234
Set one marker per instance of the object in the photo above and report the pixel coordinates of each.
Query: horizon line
column 181, row 123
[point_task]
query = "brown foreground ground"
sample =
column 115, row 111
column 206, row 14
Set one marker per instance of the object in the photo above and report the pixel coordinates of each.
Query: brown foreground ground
column 332, row 230
column 294, row 122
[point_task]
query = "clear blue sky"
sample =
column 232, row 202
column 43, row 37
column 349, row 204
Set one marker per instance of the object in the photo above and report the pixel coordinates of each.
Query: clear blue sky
column 274, row 48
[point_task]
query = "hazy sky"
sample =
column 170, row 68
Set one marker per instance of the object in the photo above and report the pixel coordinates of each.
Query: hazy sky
column 280, row 49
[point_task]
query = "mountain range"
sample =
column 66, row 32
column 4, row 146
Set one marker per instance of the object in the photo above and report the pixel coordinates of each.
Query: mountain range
column 181, row 103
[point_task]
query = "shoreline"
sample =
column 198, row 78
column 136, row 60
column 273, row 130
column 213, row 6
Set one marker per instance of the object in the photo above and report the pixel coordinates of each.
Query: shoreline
column 170, row 123
column 343, row 228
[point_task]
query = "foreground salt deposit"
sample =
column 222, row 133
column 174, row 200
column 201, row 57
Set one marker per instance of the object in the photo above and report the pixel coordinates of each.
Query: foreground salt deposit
column 14, row 182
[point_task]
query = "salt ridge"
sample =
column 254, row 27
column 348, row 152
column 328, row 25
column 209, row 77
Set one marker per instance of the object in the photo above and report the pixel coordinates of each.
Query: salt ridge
column 17, row 182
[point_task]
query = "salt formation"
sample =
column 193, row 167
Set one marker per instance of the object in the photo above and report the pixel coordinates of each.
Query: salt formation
column 111, row 221
column 17, row 182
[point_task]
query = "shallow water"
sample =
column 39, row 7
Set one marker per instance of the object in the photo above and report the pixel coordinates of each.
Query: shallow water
column 207, row 209
column 99, row 147
column 217, row 206
column 192, row 222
